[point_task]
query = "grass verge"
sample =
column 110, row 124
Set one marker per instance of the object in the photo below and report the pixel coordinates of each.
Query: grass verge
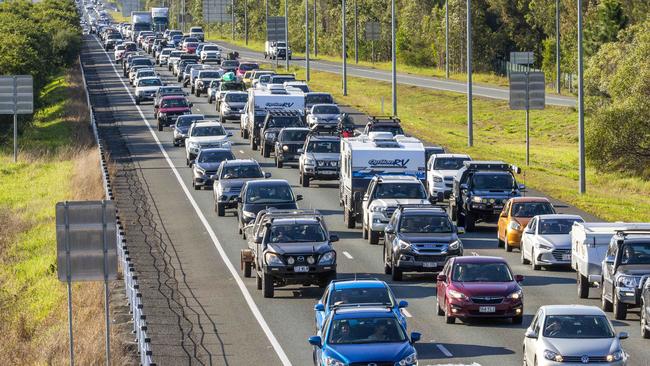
column 58, row 161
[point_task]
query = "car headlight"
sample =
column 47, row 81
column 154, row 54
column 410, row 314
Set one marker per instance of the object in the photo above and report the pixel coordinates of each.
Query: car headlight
column 455, row 245
column 514, row 225
column 226, row 107
column 456, row 294
column 199, row 169
column 516, row 295
column 327, row 258
column 285, row 148
column 162, row 114
column 273, row 259
column 310, row 161
column 269, row 135
column 194, row 145
column 330, row 361
column 437, row 180
column 477, row 199
column 378, row 209
column 409, row 360
column 248, row 214
column 545, row 246
column 553, row 356
column 404, row 245
column 615, row 356
column 225, row 189
column 627, row 281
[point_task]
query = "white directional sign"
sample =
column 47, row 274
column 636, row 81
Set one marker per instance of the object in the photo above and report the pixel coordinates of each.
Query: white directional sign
column 16, row 94
column 527, row 90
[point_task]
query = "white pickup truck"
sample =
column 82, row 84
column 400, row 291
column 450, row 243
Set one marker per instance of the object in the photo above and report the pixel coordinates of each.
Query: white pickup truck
column 276, row 49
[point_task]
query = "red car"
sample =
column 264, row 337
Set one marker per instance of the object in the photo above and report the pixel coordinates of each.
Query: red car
column 170, row 108
column 246, row 66
column 190, row 47
column 479, row 287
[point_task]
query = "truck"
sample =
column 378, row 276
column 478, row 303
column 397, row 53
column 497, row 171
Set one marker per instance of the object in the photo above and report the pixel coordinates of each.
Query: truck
column 160, row 19
column 140, row 21
column 589, row 243
column 366, row 156
column 276, row 49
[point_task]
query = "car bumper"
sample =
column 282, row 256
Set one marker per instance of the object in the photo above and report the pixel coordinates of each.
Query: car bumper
column 546, row 257
column 514, row 238
column 629, row 295
column 412, row 262
column 202, row 180
column 441, row 191
column 146, row 96
column 460, row 309
column 322, row 174
column 288, row 157
column 541, row 361
column 287, row 275
column 231, row 114
column 228, row 200
column 378, row 221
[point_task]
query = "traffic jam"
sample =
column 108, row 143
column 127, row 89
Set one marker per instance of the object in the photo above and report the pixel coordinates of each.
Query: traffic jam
column 415, row 200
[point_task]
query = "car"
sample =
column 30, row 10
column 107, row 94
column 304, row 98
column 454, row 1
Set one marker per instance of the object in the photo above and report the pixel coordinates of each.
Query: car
column 323, row 117
column 384, row 124
column 257, row 74
column 146, row 72
column 197, row 33
column 146, row 88
column 572, row 335
column 206, row 164
column 546, row 240
column 297, row 84
column 441, row 169
column 205, row 134
column 514, row 217
column 181, row 68
column 119, row 51
column 479, row 287
column 194, row 73
column 289, row 247
column 169, row 108
column 203, row 80
column 163, row 56
column 212, row 57
column 430, row 150
column 258, row 195
column 208, row 47
column 173, row 57
column 167, row 90
column 364, row 336
column 222, row 88
column 229, row 180
column 313, row 98
column 182, row 126
column 357, row 292
column 190, row 69
column 245, row 67
column 319, row 158
column 625, row 267
column 263, row 81
column 111, row 40
column 232, row 105
column 419, row 238
column 273, row 123
column 287, row 144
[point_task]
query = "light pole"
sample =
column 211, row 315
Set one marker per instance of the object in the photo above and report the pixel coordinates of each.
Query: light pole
column 581, row 109
column 393, row 58
column 356, row 36
column 307, row 40
column 557, row 47
column 447, row 39
column 315, row 32
column 345, row 54
column 470, row 122
column 286, row 33
column 232, row 10
column 246, row 21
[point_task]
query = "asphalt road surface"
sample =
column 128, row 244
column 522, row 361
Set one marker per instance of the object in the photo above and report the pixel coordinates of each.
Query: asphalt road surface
column 479, row 90
column 242, row 327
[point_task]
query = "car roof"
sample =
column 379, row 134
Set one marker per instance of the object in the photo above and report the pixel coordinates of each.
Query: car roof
column 325, row 105
column 479, row 259
column 268, row 182
column 242, row 162
column 191, row 116
column 207, row 123
column 558, row 216
column 363, row 312
column 323, row 138
column 571, row 310
column 295, row 129
column 398, row 178
column 169, row 97
column 211, row 149
column 438, row 211
column 149, row 78
column 300, row 221
column 529, row 199
column 351, row 284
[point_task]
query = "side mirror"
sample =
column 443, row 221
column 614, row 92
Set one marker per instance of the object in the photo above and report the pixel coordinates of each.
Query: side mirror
column 609, row 260
column 334, row 238
column 319, row 307
column 464, row 186
column 191, row 104
column 172, row 126
column 530, row 333
column 229, row 134
column 315, row 341
column 503, row 214
column 366, row 197
column 299, row 197
column 403, row 304
column 356, row 196
column 623, row 335
column 300, row 151
column 238, row 199
column 519, row 278
column 441, row 278
column 415, row 337
column 522, row 187
column 267, row 175
column 258, row 240
column 156, row 105
column 460, row 230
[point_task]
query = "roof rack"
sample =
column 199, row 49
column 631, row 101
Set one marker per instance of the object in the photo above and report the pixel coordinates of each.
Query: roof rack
column 283, row 113
column 422, row 205
column 632, row 231
column 383, row 119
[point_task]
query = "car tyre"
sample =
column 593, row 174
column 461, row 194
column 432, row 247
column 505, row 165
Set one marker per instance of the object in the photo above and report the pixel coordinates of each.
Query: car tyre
column 518, row 319
column 279, row 163
column 500, row 243
column 440, row 311
column 160, row 126
column 258, row 281
column 396, row 274
column 533, row 261
column 209, row 100
column 523, row 256
column 583, row 286
column 470, row 223
column 221, row 209
column 449, row 319
column 267, row 285
column 507, row 245
column 388, row 269
column 373, row 237
column 198, row 93
column 196, row 186
column 364, row 233
column 137, row 101
column 248, row 266
column 605, row 304
column 265, row 151
column 645, row 333
column 349, row 219
column 620, row 308
column 253, row 144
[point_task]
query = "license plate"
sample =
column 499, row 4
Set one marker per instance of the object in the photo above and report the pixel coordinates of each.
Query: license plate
column 301, row 269
column 429, row 264
column 487, row 309
column 497, row 211
column 566, row 257
column 328, row 172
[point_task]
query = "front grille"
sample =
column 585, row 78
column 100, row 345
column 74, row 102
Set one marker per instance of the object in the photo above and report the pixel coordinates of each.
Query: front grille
column 558, row 253
column 299, row 259
column 209, row 173
column 328, row 163
column 430, row 258
column 578, row 359
column 373, row 363
column 292, row 148
column 487, row 300
column 389, row 211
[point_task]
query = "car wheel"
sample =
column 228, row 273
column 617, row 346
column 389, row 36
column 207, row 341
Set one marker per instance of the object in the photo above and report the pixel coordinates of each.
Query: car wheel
column 349, row 219
column 645, row 333
column 258, row 281
column 160, row 126
column 278, row 163
column 373, row 236
column 364, row 233
column 449, row 319
column 523, row 256
column 248, row 266
column 469, row 223
column 605, row 304
column 253, row 144
column 396, row 274
column 209, row 100
column 388, row 269
column 500, row 242
column 265, row 151
column 533, row 260
column 192, row 90
column 507, row 245
column 198, row 93
column 583, row 286
column 620, row 308
column 175, row 143
column 267, row 285
column 245, row 134
column 440, row 311
column 221, row 209
column 137, row 101
column 196, row 186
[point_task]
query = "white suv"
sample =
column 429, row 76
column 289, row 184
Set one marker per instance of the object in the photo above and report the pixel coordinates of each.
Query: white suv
column 205, row 134
column 441, row 170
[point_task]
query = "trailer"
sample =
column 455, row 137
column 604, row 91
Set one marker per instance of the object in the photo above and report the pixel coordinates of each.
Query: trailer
column 160, row 19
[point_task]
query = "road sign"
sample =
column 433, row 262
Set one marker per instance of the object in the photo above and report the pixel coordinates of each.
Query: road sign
column 275, row 29
column 130, row 5
column 86, row 241
column 527, row 90
column 522, row 58
column 373, row 31
column 217, row 11
column 16, row 94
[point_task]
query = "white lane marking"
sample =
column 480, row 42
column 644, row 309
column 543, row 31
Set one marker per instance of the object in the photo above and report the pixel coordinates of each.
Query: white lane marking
column 241, row 151
column 406, row 313
column 348, row 255
column 233, row 271
column 456, row 364
column 475, row 254
column 444, row 350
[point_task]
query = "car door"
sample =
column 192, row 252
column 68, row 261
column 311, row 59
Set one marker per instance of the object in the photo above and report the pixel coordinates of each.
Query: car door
column 390, row 237
column 503, row 221
column 528, row 237
column 530, row 344
column 441, row 286
column 320, row 315
column 366, row 202
column 608, row 272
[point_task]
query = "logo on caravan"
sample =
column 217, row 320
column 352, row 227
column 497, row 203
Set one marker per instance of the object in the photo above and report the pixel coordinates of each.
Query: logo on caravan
column 396, row 163
column 279, row 105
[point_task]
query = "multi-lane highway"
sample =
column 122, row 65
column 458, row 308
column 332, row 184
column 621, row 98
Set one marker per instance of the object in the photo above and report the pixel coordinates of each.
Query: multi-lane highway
column 200, row 308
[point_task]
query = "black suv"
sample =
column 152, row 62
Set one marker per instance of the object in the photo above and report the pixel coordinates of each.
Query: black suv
column 384, row 124
column 625, row 269
column 258, row 195
column 273, row 123
column 289, row 141
column 480, row 190
column 288, row 247
column 419, row 238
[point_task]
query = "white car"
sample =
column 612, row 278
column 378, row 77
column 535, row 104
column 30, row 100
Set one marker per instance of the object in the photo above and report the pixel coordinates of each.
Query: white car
column 210, row 56
column 441, row 170
column 141, row 73
column 163, row 55
column 546, row 240
column 173, row 57
column 205, row 134
column 572, row 335
column 119, row 51
column 324, row 116
column 146, row 88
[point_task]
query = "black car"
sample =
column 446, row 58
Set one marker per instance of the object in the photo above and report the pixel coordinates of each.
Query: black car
column 384, row 124
column 419, row 238
column 273, row 123
column 230, row 179
column 289, row 141
column 206, row 164
column 182, row 126
column 258, row 195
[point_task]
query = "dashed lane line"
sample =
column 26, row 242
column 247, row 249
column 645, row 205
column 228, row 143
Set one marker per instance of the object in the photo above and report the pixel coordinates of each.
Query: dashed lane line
column 444, row 350
column 406, row 313
column 348, row 255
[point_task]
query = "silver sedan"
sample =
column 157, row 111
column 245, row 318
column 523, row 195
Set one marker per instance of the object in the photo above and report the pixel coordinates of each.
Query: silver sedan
column 546, row 240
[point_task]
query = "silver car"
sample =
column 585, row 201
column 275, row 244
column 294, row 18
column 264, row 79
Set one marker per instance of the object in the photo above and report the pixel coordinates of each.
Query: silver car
column 546, row 240
column 572, row 335
column 324, row 116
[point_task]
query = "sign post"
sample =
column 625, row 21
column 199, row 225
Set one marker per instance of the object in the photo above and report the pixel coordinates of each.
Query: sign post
column 527, row 91
column 275, row 32
column 373, row 33
column 16, row 97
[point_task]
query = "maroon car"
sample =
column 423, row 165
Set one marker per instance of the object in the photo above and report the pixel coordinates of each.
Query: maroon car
column 170, row 108
column 246, row 66
column 479, row 287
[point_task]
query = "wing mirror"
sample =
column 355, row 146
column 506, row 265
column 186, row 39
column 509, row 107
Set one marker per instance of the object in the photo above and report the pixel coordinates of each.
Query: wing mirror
column 464, row 186
column 530, row 333
column 522, row 187
column 156, row 105
column 319, row 307
column 403, row 304
column 366, row 197
column 622, row 335
column 315, row 341
column 334, row 238
column 441, row 278
column 258, row 240
column 519, row 278
column 609, row 260
column 267, row 175
column 460, row 230
column 389, row 230
column 238, row 199
column 300, row 151
column 356, row 196
column 229, row 134
column 191, row 104
column 415, row 337
column 299, row 197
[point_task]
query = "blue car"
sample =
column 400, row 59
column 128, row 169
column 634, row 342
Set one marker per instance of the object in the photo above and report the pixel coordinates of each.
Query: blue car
column 363, row 336
column 347, row 293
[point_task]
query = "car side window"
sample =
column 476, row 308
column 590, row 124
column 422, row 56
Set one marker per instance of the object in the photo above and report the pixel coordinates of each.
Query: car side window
column 533, row 225
column 325, row 295
column 535, row 324
column 506, row 208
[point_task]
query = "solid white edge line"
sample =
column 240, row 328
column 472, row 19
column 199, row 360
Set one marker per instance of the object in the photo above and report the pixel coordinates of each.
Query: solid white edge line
column 348, row 255
column 406, row 313
column 444, row 350
column 242, row 287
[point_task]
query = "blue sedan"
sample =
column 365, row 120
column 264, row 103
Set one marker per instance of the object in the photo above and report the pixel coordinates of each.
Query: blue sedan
column 363, row 335
column 346, row 293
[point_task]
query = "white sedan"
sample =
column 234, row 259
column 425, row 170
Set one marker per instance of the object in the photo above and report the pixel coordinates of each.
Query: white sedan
column 546, row 240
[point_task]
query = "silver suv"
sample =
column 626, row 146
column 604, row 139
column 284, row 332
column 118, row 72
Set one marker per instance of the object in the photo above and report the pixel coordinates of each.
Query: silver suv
column 319, row 159
column 230, row 177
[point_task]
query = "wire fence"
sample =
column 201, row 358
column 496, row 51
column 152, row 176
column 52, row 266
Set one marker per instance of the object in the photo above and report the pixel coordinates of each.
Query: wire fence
column 504, row 68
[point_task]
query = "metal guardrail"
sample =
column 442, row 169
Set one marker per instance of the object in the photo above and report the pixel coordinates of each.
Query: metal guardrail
column 133, row 294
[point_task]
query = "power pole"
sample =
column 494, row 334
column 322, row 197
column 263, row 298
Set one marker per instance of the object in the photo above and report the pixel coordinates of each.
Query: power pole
column 581, row 109
column 356, row 38
column 345, row 54
column 246, row 21
column 393, row 58
column 557, row 47
column 307, row 40
column 447, row 39
column 315, row 31
column 286, row 32
column 470, row 122
column 232, row 9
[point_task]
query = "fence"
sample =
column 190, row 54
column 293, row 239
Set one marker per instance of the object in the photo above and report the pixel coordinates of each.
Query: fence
column 504, row 68
column 133, row 295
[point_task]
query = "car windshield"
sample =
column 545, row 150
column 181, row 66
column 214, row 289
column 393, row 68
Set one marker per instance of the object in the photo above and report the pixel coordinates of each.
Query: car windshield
column 303, row 87
column 280, row 44
column 294, row 135
column 236, row 98
column 425, row 224
column 366, row 330
column 130, row 47
column 208, row 131
column 191, row 44
column 150, row 82
column 577, row 326
column 144, row 74
column 264, row 79
column 233, row 86
column 400, row 190
column 481, row 272
column 247, row 67
column 269, row 193
column 210, row 75
column 196, row 30
column 166, row 51
column 493, row 181
column 281, row 79
column 284, row 122
column 215, row 156
column 140, row 62
column 119, row 47
column 326, row 109
column 186, row 121
column 300, row 233
column 175, row 103
column 241, row 171
column 556, row 226
column 449, row 163
column 210, row 48
column 324, row 147
column 189, row 67
column 175, row 54
column 177, row 38
column 354, row 295
column 318, row 99
column 395, row 130
column 172, row 91
column 530, row 209
column 230, row 63
column 635, row 253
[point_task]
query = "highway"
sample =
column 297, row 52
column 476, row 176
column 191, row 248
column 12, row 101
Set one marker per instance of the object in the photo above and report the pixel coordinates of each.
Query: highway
column 202, row 310
column 479, row 90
